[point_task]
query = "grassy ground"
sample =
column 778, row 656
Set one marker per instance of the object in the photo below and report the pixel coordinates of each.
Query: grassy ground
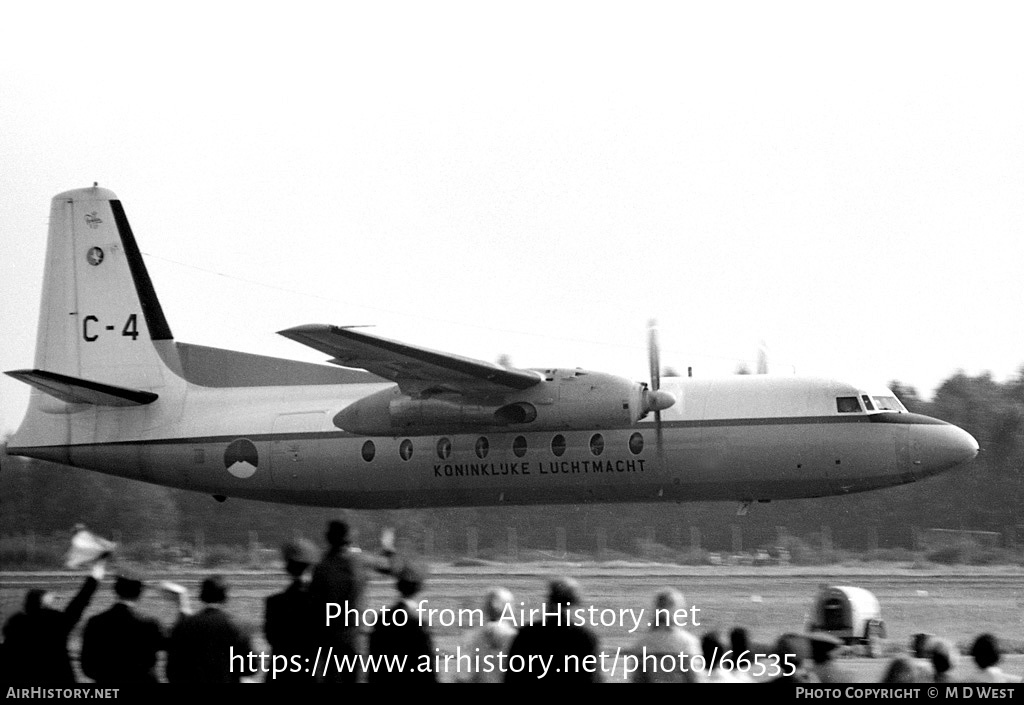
column 957, row 603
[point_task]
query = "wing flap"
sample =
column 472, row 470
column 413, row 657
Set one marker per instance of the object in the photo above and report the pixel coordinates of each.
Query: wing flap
column 75, row 390
column 408, row 365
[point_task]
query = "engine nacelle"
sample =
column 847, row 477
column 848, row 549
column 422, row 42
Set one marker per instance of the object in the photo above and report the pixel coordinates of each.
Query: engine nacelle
column 455, row 410
column 564, row 400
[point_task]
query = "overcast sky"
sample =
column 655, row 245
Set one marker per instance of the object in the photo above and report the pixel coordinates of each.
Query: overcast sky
column 844, row 181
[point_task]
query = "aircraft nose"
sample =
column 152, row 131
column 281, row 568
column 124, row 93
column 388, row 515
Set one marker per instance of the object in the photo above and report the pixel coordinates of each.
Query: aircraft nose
column 943, row 447
column 969, row 445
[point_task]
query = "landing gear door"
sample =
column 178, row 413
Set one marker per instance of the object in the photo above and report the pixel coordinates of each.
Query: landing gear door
column 294, row 456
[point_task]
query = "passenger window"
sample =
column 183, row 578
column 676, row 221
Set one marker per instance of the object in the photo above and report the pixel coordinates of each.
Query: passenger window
column 636, row 444
column 444, row 449
column 558, row 445
column 519, row 446
column 847, row 405
column 867, row 402
column 369, row 450
column 482, row 447
column 597, row 444
column 405, row 449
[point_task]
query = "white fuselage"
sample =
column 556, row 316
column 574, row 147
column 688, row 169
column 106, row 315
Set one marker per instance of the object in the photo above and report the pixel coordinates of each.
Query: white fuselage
column 739, row 438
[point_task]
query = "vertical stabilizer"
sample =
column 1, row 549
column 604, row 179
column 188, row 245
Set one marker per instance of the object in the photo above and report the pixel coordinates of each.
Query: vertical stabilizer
column 100, row 319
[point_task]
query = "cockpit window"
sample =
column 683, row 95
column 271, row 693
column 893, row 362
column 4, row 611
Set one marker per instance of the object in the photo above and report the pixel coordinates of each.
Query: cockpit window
column 867, row 402
column 847, row 405
column 889, row 404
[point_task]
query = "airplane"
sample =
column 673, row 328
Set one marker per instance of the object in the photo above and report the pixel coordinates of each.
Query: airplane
column 393, row 425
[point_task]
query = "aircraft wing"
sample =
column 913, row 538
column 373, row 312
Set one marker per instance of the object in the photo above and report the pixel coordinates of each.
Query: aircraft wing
column 414, row 369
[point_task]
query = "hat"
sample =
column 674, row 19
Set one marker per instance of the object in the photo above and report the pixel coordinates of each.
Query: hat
column 34, row 600
column 128, row 586
column 985, row 651
column 337, row 533
column 564, row 590
column 919, row 644
column 796, row 646
column 299, row 551
column 214, row 590
column 943, row 654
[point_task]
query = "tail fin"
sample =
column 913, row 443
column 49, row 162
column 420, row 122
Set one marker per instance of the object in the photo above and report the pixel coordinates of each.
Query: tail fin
column 100, row 319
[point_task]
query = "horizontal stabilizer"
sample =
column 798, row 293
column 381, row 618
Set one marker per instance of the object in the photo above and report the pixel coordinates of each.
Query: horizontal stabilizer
column 75, row 390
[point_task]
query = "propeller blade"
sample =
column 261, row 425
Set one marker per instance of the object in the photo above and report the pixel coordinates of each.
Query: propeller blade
column 653, row 398
column 654, row 354
column 657, row 435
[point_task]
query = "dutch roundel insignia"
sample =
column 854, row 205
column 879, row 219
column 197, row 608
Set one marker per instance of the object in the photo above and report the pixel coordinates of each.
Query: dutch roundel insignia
column 241, row 458
column 94, row 256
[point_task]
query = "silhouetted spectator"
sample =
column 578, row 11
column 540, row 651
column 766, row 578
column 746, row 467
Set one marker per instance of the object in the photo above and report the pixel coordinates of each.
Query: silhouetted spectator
column 401, row 642
column 340, row 578
column 744, row 654
column 202, row 646
column 794, row 652
column 944, row 660
column 823, row 651
column 664, row 653
column 901, row 670
column 121, row 645
column 485, row 643
column 919, row 645
column 921, row 658
column 985, row 653
column 36, row 639
column 570, row 649
column 719, row 668
column 739, row 641
column 289, row 616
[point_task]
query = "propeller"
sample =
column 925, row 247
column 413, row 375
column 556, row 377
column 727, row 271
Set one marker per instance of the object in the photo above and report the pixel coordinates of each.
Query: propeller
column 654, row 399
